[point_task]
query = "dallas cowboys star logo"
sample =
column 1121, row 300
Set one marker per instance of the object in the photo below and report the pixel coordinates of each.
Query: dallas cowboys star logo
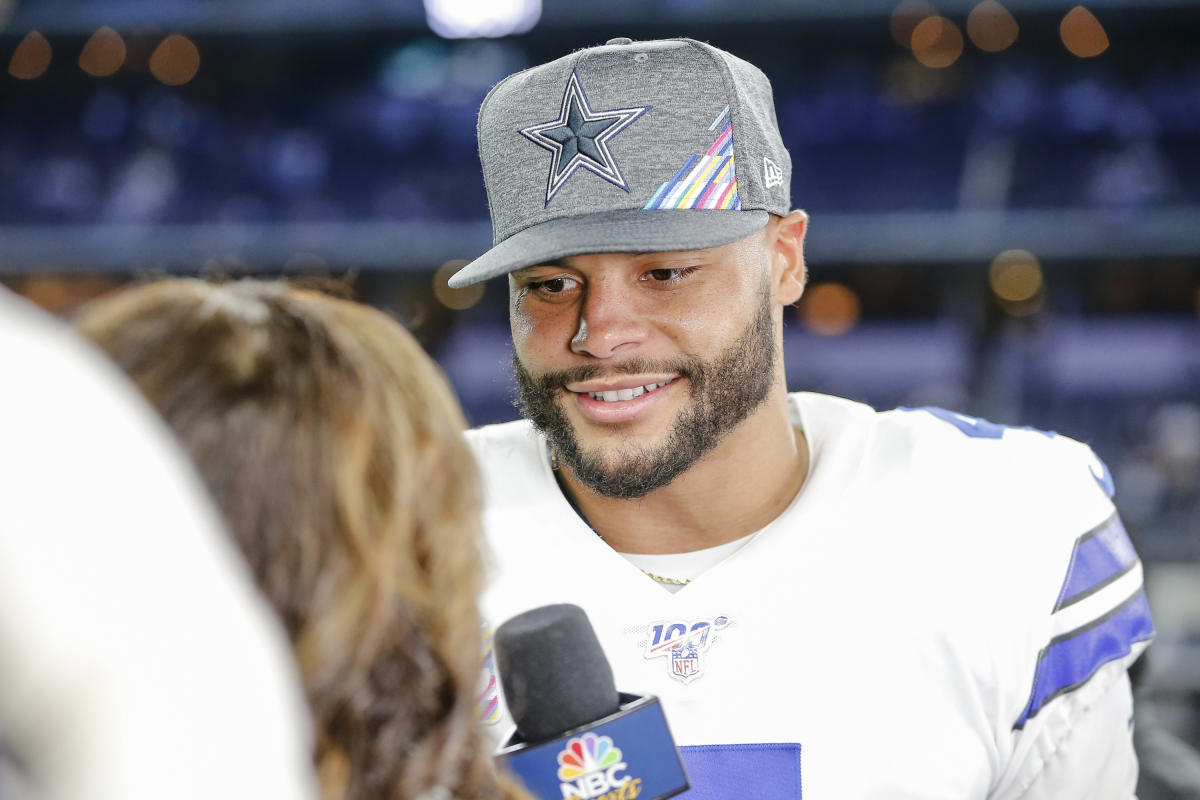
column 579, row 138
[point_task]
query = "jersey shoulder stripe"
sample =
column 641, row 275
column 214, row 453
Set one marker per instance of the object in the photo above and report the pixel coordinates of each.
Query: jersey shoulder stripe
column 1071, row 659
column 1099, row 558
column 1100, row 615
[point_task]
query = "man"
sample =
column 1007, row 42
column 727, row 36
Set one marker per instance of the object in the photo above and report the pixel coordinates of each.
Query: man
column 830, row 601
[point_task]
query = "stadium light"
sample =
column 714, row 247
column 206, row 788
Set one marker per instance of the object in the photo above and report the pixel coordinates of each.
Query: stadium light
column 1016, row 279
column 31, row 58
column 470, row 19
column 937, row 42
column 175, row 61
column 1082, row 33
column 456, row 299
column 992, row 27
column 830, row 309
column 103, row 54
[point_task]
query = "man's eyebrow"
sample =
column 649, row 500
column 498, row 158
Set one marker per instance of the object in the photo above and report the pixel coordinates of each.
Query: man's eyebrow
column 553, row 263
column 561, row 263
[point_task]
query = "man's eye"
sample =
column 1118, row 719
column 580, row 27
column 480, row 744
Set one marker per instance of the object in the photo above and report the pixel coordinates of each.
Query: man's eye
column 554, row 285
column 669, row 275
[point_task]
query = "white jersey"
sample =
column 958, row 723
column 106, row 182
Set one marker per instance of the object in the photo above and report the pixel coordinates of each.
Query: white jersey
column 946, row 610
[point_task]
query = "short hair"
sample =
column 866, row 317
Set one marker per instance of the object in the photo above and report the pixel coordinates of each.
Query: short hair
column 333, row 446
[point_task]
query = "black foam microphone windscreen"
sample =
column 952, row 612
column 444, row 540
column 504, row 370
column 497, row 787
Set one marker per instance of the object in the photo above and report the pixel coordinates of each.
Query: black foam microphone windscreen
column 554, row 673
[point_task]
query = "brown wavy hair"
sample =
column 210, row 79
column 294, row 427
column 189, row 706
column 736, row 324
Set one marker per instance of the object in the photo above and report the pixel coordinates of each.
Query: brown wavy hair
column 332, row 444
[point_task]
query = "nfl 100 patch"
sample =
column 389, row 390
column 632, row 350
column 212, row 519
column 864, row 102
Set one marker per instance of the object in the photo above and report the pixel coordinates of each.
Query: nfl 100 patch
column 683, row 644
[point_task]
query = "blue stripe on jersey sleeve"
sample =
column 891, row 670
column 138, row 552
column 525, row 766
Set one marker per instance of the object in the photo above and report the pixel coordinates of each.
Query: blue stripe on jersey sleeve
column 1100, row 557
column 1071, row 659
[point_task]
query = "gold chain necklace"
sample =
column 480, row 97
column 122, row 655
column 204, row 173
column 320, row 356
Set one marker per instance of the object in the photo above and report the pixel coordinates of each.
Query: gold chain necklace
column 651, row 575
column 672, row 581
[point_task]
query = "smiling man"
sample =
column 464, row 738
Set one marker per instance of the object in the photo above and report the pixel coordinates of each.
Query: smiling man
column 830, row 601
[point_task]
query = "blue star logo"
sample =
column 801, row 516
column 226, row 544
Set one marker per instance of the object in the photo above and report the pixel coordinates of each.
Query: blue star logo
column 579, row 138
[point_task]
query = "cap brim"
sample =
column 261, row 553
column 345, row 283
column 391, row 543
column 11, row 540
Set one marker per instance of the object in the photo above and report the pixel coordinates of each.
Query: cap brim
column 629, row 231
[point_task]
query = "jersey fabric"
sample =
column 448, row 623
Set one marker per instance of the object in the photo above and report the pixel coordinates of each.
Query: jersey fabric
column 946, row 610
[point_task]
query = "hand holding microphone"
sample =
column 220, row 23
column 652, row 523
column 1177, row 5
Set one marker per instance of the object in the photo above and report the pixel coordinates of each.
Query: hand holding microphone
column 577, row 737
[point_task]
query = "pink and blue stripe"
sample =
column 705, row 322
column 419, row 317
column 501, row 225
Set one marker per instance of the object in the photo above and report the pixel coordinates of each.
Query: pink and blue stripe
column 707, row 181
column 724, row 143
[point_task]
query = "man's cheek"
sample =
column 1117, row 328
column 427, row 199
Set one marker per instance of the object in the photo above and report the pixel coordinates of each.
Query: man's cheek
column 521, row 324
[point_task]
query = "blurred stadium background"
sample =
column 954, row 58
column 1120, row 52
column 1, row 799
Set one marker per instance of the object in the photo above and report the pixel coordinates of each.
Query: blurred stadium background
column 1005, row 197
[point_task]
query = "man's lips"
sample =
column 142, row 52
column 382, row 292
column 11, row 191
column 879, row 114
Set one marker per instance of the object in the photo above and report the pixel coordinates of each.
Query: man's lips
column 621, row 401
column 618, row 384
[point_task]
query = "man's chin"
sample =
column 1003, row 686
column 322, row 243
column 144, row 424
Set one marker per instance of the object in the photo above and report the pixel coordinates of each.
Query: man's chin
column 613, row 448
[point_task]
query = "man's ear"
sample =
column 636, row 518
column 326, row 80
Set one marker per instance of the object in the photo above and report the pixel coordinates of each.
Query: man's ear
column 788, row 272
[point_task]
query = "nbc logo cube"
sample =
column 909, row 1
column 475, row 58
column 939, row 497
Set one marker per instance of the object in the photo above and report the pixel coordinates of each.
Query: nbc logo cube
column 590, row 768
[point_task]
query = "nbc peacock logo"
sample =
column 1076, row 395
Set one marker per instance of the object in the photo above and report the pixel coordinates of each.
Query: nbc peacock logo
column 590, row 768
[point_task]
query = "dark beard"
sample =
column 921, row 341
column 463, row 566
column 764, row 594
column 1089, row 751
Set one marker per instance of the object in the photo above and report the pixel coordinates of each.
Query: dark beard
column 724, row 392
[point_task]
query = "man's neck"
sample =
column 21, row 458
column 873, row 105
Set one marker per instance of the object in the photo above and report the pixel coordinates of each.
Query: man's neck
column 739, row 487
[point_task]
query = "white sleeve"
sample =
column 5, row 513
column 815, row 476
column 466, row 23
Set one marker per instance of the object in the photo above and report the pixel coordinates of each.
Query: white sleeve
column 137, row 659
column 1084, row 746
column 1073, row 738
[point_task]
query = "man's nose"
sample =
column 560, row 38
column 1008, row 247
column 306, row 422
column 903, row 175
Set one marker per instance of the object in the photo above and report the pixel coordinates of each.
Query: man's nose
column 609, row 321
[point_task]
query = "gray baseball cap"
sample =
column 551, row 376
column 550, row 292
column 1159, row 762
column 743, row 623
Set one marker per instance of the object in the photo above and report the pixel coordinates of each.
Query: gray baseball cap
column 629, row 147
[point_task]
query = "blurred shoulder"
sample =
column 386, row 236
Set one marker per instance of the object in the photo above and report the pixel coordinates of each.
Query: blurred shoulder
column 493, row 443
column 514, row 462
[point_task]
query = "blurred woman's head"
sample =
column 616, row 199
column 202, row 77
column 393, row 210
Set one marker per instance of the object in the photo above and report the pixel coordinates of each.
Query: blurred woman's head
column 333, row 446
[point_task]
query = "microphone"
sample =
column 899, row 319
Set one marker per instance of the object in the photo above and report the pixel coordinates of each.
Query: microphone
column 577, row 737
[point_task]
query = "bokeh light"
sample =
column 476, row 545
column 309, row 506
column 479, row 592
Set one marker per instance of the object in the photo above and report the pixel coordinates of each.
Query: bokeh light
column 175, row 61
column 991, row 27
column 470, row 19
column 937, row 42
column 103, row 54
column 457, row 299
column 1017, row 281
column 1016, row 276
column 830, row 309
column 906, row 16
column 1082, row 33
column 31, row 58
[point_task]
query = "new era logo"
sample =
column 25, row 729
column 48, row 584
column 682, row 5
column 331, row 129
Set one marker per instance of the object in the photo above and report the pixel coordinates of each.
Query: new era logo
column 772, row 174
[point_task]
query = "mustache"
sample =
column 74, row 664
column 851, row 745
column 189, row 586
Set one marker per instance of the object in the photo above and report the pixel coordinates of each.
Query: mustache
column 689, row 368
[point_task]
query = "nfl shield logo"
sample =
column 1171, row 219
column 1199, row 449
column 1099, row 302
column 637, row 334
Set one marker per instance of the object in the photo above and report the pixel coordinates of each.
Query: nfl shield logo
column 685, row 661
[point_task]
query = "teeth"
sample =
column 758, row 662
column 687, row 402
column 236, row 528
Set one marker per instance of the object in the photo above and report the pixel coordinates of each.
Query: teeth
column 618, row 395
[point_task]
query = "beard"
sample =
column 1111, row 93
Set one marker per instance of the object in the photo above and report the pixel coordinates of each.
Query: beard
column 724, row 392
